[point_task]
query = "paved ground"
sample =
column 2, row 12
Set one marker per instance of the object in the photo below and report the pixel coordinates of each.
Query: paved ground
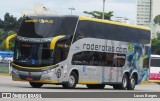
column 7, row 85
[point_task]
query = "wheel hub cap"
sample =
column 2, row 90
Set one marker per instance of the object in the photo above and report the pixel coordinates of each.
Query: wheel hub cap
column 71, row 80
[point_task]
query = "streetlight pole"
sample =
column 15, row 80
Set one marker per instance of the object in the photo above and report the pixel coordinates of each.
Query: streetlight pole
column 103, row 9
column 71, row 9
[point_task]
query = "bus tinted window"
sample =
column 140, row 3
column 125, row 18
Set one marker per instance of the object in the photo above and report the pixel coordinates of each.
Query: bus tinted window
column 155, row 62
column 44, row 27
column 98, row 59
column 112, row 32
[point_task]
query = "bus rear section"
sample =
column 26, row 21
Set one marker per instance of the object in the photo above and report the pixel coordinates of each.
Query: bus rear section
column 154, row 75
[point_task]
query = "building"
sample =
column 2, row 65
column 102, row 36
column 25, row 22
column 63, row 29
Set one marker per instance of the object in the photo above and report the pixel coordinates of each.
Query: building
column 38, row 9
column 147, row 10
column 144, row 8
column 122, row 20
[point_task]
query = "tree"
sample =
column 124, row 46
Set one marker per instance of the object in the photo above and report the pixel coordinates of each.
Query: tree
column 9, row 22
column 155, row 46
column 2, row 40
column 1, row 24
column 158, row 35
column 157, row 19
column 99, row 14
column 156, row 42
column 8, row 26
column 18, row 23
column 2, row 35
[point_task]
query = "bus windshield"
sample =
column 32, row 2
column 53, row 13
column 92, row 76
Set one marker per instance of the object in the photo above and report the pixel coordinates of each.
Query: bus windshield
column 155, row 62
column 28, row 54
column 46, row 26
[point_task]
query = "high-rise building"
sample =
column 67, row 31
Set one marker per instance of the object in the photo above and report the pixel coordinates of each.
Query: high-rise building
column 122, row 20
column 144, row 12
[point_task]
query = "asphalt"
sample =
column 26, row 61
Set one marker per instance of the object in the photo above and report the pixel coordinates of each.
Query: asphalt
column 7, row 85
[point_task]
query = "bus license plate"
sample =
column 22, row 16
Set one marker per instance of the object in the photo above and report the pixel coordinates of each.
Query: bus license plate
column 29, row 78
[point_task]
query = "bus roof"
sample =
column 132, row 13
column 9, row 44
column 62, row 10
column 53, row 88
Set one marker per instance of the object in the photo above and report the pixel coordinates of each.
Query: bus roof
column 112, row 22
column 155, row 56
column 92, row 19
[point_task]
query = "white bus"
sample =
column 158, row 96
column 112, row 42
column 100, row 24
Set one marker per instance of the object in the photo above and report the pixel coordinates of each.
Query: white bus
column 154, row 75
column 72, row 50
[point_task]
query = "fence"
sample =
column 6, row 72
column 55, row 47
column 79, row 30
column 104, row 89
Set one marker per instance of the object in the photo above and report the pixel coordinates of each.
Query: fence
column 5, row 67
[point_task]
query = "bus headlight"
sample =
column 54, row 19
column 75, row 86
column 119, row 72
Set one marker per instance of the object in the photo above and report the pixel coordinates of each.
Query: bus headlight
column 52, row 70
column 46, row 71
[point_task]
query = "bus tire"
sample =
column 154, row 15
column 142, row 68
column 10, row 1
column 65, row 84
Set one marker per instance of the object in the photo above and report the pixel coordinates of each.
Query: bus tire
column 131, row 83
column 72, row 81
column 95, row 86
column 36, row 85
column 157, row 83
column 123, row 85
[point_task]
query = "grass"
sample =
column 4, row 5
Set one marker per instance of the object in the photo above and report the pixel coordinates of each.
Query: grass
column 5, row 74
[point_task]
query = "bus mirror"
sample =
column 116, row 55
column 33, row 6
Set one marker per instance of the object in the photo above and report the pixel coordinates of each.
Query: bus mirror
column 8, row 39
column 54, row 40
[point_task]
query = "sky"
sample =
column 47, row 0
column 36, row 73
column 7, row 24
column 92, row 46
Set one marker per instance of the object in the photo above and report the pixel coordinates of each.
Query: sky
column 121, row 8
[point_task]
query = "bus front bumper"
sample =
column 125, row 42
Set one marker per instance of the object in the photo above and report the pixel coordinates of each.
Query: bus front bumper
column 47, row 77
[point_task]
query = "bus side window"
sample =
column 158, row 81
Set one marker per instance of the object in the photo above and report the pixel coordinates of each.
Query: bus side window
column 98, row 59
column 79, row 35
column 62, row 49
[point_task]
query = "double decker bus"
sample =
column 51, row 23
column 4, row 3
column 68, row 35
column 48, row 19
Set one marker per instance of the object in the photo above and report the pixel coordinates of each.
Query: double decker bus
column 70, row 50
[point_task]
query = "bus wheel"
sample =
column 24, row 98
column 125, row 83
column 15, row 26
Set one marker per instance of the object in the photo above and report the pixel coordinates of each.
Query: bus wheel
column 95, row 86
column 131, row 83
column 124, row 82
column 36, row 85
column 157, row 83
column 123, row 85
column 72, row 81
